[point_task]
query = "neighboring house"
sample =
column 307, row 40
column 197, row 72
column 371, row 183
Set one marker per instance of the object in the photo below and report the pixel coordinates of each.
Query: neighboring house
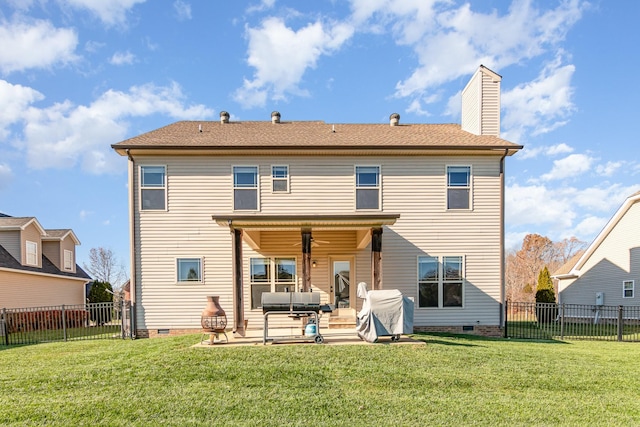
column 37, row 266
column 236, row 209
column 610, row 266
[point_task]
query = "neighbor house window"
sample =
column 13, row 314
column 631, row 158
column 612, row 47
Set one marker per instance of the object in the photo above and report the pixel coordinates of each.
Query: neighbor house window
column 153, row 186
column 440, row 281
column 189, row 269
column 271, row 275
column 367, row 187
column 627, row 289
column 32, row 253
column 245, row 188
column 458, row 187
column 68, row 260
column 280, row 179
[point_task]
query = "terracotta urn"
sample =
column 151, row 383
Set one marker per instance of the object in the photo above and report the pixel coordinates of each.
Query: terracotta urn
column 213, row 317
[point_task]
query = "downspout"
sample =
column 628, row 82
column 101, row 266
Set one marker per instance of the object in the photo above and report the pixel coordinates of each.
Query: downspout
column 132, row 246
column 502, row 252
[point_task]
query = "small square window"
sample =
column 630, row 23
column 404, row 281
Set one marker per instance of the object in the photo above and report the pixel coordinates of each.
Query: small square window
column 189, row 270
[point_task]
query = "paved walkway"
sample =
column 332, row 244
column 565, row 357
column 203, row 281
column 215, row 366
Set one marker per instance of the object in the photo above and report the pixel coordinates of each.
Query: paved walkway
column 331, row 337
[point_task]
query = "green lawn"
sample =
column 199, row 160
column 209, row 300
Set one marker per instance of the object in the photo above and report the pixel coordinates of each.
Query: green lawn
column 449, row 381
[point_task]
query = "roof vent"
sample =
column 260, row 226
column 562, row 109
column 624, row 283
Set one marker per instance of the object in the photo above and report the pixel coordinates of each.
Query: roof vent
column 394, row 119
column 275, row 117
column 224, row 117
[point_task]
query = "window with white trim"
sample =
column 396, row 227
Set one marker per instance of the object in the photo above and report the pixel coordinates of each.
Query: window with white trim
column 153, row 186
column 627, row 289
column 245, row 188
column 68, row 260
column 189, row 269
column 271, row 275
column 280, row 178
column 440, row 281
column 32, row 253
column 458, row 187
column 367, row 187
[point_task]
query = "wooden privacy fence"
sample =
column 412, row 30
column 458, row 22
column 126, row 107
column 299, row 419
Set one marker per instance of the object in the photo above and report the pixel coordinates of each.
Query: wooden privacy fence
column 32, row 325
column 528, row 320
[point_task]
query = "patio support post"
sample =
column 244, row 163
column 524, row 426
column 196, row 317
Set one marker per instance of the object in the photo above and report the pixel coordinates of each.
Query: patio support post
column 306, row 259
column 238, row 300
column 376, row 258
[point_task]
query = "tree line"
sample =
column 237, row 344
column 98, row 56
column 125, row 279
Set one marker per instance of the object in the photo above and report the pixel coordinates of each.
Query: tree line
column 523, row 266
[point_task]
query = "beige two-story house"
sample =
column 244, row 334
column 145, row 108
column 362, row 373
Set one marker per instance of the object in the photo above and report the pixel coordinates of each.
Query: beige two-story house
column 236, row 209
column 38, row 266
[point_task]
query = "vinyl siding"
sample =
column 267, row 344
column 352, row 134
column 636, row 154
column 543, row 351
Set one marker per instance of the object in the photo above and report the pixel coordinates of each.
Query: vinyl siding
column 10, row 240
column 616, row 259
column 481, row 105
column 52, row 251
column 490, row 106
column 20, row 290
column 414, row 187
column 471, row 102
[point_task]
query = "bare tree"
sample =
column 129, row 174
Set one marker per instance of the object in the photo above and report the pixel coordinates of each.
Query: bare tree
column 524, row 265
column 105, row 267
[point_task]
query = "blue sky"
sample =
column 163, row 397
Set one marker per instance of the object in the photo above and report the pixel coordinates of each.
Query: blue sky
column 79, row 75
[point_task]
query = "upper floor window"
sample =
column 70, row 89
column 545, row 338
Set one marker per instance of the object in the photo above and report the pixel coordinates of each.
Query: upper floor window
column 280, row 178
column 440, row 281
column 245, row 188
column 367, row 187
column 189, row 270
column 627, row 289
column 68, row 260
column 32, row 253
column 458, row 187
column 153, row 187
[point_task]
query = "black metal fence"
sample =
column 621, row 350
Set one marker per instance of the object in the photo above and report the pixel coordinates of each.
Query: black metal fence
column 33, row 325
column 545, row 321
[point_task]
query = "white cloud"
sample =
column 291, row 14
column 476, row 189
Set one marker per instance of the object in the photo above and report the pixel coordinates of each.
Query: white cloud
column 14, row 101
column 435, row 29
column 590, row 226
column 609, row 168
column 281, row 56
column 6, row 175
column 122, row 58
column 84, row 214
column 538, row 205
column 569, row 167
column 539, row 106
column 110, row 12
column 561, row 148
column 63, row 134
column 183, row 10
column 35, row 44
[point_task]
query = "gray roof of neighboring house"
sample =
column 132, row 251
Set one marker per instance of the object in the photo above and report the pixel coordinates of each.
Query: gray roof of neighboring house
column 8, row 261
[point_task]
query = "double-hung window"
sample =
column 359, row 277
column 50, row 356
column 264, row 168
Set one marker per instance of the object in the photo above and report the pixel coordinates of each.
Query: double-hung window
column 440, row 281
column 271, row 275
column 367, row 187
column 627, row 289
column 68, row 260
column 280, row 178
column 189, row 269
column 245, row 188
column 458, row 187
column 153, row 187
column 32, row 253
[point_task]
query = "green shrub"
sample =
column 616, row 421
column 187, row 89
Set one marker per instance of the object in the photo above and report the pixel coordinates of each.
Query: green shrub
column 546, row 310
column 100, row 292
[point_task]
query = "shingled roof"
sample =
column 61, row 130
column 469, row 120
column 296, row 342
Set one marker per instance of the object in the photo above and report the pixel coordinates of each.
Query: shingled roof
column 8, row 261
column 311, row 135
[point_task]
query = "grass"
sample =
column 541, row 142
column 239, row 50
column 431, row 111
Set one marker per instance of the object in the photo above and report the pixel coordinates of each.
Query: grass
column 453, row 380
